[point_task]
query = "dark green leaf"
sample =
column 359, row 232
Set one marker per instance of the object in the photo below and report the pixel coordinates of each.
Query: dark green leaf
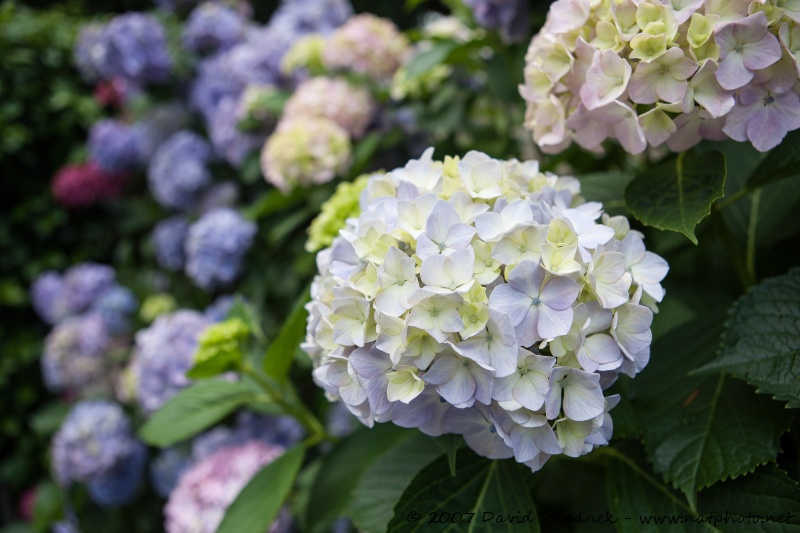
column 700, row 430
column 48, row 419
column 450, row 443
column 781, row 162
column 767, row 492
column 608, row 188
column 280, row 354
column 430, row 58
column 260, row 501
column 342, row 470
column 364, row 151
column 492, row 490
column 642, row 503
column 677, row 195
column 193, row 409
column 761, row 343
column 382, row 484
column 273, row 201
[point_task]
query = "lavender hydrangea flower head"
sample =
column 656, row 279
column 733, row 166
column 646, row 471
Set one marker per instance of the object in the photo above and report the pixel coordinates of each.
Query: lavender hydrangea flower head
column 367, row 45
column 648, row 73
column 213, row 27
column 164, row 352
column 116, row 307
column 312, row 16
column 350, row 107
column 48, row 297
column 304, row 152
column 178, row 173
column 229, row 141
column 75, row 354
column 95, row 439
column 217, row 79
column 134, row 47
column 508, row 16
column 115, row 145
column 88, row 51
column 216, row 245
column 119, row 486
column 204, row 492
column 85, row 283
column 169, row 239
column 282, row 431
column 484, row 298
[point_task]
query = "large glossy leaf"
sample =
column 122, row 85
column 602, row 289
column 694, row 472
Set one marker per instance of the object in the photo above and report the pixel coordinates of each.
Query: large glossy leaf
column 677, row 194
column 342, row 469
column 761, row 343
column 193, row 409
column 383, row 482
column 700, row 430
column 640, row 502
column 281, row 351
column 260, row 501
column 767, row 493
column 483, row 496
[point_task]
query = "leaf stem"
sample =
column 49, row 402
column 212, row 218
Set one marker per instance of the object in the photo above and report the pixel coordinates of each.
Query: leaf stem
column 728, row 200
column 750, row 254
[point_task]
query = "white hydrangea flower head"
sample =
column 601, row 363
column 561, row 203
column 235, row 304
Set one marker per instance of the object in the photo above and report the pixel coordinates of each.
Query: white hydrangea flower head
column 649, row 72
column 484, row 298
column 350, row 107
column 305, row 152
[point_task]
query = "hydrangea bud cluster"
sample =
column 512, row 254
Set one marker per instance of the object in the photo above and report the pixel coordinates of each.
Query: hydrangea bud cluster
column 77, row 186
column 132, row 46
column 350, row 107
column 114, row 145
column 204, row 492
column 649, row 72
column 178, row 173
column 510, row 17
column 216, row 245
column 213, row 27
column 367, row 45
column 164, row 352
column 304, row 152
column 96, row 445
column 484, row 298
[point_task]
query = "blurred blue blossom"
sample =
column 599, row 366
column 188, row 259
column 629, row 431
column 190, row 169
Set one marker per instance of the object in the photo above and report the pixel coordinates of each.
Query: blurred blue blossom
column 115, row 145
column 169, row 238
column 119, row 486
column 178, row 173
column 213, row 27
column 215, row 247
column 510, row 17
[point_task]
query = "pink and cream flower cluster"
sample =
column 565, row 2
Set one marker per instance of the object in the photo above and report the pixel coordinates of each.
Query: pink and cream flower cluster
column 648, row 72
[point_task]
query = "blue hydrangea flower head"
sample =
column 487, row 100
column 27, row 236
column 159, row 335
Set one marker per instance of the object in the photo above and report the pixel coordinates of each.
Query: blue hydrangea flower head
column 86, row 282
column 166, row 469
column 178, row 173
column 213, row 27
column 217, row 79
column 216, row 245
column 95, row 438
column 164, row 352
column 48, row 297
column 75, row 352
column 169, row 238
column 134, row 47
column 114, row 145
column 312, row 16
column 510, row 17
column 230, row 142
column 119, row 486
column 116, row 306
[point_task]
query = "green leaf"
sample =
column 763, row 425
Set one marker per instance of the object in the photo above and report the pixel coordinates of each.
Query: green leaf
column 383, row 482
column 700, row 430
column 342, row 470
column 260, row 501
column 450, row 443
column 280, row 354
column 677, row 195
column 781, row 162
column 766, row 492
column 492, row 490
column 194, row 409
column 642, row 503
column 608, row 188
column 364, row 151
column 430, row 58
column 48, row 419
column 761, row 343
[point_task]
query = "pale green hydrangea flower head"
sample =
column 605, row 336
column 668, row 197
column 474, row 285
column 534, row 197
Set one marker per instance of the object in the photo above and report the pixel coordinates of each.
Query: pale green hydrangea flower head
column 335, row 212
